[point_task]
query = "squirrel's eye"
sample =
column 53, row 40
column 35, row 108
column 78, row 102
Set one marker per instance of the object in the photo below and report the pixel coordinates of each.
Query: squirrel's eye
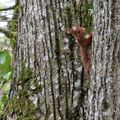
column 78, row 31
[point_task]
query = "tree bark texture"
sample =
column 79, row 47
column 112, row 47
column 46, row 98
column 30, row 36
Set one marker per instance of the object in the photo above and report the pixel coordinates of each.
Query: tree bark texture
column 103, row 100
column 48, row 69
column 45, row 57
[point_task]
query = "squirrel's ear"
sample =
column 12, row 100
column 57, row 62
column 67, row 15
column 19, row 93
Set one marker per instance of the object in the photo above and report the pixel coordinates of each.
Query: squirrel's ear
column 74, row 28
column 71, row 30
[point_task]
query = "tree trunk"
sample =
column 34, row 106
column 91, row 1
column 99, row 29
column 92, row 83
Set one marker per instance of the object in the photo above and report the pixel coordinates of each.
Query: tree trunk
column 48, row 78
column 103, row 100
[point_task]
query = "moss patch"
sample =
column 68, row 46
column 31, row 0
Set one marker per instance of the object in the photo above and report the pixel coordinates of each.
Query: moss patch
column 20, row 104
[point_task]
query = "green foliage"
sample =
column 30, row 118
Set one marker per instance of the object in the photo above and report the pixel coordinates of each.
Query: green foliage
column 6, row 72
column 12, row 25
column 20, row 104
column 23, row 107
column 89, row 15
column 4, row 98
column 28, row 81
column 5, row 64
column 6, row 69
column 12, row 43
column 26, row 74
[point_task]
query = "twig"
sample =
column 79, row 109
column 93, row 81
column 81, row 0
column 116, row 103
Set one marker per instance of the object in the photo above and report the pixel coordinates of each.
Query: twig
column 7, row 32
column 3, row 17
column 9, row 8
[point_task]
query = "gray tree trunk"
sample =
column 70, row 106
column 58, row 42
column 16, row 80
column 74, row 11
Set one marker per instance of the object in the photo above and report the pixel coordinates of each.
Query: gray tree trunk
column 103, row 100
column 47, row 69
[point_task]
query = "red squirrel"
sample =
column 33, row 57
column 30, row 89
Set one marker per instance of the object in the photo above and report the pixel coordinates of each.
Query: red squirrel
column 84, row 41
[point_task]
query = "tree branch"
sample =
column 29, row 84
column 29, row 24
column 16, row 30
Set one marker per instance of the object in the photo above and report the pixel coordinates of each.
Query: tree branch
column 9, row 8
column 3, row 17
column 7, row 32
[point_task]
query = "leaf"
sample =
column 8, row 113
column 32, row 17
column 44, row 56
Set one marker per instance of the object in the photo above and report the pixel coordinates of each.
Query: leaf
column 5, row 61
column 4, row 98
column 7, row 75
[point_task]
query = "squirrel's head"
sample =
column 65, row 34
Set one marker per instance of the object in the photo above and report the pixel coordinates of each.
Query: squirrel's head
column 77, row 32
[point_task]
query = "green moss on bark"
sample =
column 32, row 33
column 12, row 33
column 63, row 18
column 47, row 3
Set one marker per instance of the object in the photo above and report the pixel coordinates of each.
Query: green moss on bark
column 20, row 104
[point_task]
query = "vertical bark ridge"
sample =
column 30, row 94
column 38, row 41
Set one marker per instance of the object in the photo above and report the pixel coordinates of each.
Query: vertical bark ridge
column 51, row 82
column 57, row 49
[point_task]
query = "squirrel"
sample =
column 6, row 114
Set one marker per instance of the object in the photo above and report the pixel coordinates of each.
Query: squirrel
column 84, row 41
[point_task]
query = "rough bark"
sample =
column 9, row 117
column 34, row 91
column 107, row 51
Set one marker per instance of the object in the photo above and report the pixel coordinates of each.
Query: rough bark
column 103, row 100
column 47, row 82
